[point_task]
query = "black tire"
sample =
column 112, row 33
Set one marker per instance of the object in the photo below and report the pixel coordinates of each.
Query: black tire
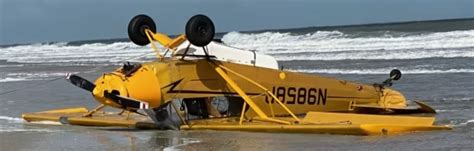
column 397, row 74
column 200, row 30
column 136, row 29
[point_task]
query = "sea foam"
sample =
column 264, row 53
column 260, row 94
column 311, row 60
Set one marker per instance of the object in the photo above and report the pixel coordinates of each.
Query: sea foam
column 31, row 76
column 336, row 45
column 319, row 45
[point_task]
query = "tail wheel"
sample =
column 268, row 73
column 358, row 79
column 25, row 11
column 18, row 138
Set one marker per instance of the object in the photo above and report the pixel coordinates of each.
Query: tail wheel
column 136, row 29
column 396, row 74
column 200, row 30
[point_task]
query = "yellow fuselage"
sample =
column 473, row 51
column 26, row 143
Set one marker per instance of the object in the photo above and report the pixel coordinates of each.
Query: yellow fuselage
column 161, row 81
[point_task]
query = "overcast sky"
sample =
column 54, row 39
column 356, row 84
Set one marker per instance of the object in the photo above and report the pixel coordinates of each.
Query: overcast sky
column 27, row 21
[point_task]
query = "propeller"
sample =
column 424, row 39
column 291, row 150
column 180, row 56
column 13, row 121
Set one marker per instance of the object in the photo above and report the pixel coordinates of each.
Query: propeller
column 159, row 115
column 125, row 102
column 80, row 82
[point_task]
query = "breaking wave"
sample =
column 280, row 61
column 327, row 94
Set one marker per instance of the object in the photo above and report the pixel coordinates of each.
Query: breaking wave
column 319, row 45
column 63, row 53
column 24, row 76
column 336, row 45
column 15, row 65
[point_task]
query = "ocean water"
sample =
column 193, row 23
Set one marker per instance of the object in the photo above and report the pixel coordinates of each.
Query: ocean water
column 435, row 57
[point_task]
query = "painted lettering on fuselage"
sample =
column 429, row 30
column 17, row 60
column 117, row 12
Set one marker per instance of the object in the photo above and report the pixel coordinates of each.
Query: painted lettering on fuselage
column 293, row 95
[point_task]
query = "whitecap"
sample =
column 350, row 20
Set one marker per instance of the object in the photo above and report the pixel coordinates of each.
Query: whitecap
column 319, row 45
column 335, row 45
column 30, row 76
column 11, row 65
column 63, row 53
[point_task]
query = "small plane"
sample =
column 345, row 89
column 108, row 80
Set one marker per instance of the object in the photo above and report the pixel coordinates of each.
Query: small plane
column 200, row 83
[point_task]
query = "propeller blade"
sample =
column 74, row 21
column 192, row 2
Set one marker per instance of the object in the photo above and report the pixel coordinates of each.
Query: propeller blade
column 126, row 101
column 121, row 100
column 80, row 82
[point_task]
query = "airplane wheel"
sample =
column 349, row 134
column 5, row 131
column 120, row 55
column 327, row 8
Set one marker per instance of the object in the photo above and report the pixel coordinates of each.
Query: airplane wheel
column 200, row 30
column 136, row 29
column 397, row 73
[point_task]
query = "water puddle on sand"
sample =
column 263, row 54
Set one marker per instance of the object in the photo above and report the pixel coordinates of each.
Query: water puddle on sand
column 179, row 143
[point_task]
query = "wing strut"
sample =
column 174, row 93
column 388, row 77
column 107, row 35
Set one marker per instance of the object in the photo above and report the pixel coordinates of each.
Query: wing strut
column 220, row 70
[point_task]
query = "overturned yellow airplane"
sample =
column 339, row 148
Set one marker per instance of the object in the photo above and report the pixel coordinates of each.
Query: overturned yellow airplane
column 205, row 84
